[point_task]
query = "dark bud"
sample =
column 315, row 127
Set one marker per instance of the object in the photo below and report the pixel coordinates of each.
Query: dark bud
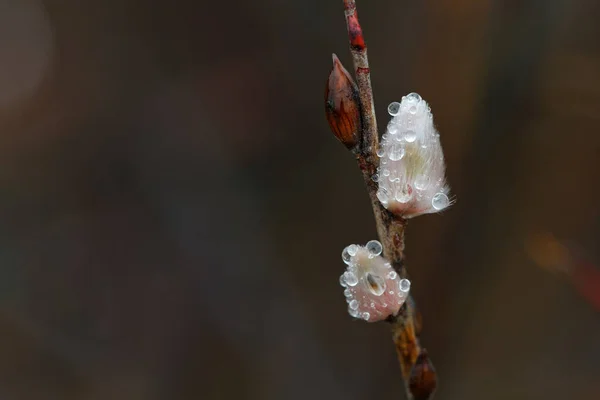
column 423, row 379
column 342, row 105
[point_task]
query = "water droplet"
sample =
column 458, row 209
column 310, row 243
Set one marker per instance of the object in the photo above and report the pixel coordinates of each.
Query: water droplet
column 352, row 249
column 380, row 151
column 391, row 292
column 421, row 182
column 396, row 152
column 387, row 265
column 404, row 285
column 415, row 97
column 347, row 293
column 351, row 279
column 392, row 128
column 383, row 195
column 353, row 304
column 375, row 178
column 353, row 313
column 366, row 316
column 412, row 110
column 394, row 108
column 374, row 248
column 403, row 195
column 343, row 281
column 410, row 136
column 392, row 275
column 386, row 172
column 346, row 256
column 440, row 201
column 372, row 305
column 376, row 284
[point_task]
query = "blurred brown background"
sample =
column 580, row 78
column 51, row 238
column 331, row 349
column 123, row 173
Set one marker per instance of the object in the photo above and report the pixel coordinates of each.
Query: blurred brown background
column 173, row 206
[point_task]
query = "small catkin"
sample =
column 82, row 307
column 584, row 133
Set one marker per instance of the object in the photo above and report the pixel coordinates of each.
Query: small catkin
column 372, row 288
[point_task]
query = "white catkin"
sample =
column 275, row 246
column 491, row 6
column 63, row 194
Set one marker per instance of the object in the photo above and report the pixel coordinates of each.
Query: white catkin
column 373, row 290
column 411, row 176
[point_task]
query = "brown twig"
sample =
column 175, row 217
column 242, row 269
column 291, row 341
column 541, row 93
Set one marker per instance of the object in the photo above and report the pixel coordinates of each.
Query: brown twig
column 419, row 376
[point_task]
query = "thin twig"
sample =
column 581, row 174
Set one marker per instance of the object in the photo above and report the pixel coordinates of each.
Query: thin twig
column 417, row 371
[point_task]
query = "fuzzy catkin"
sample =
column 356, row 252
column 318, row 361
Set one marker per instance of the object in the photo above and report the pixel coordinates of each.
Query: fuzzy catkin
column 412, row 170
column 373, row 290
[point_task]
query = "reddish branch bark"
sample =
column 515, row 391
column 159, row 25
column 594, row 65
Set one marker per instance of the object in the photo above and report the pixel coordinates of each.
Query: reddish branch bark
column 419, row 376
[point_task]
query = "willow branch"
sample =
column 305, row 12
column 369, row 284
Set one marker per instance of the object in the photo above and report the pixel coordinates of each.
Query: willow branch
column 418, row 374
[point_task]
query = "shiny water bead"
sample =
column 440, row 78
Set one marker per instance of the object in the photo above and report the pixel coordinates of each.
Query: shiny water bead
column 394, row 108
column 396, row 152
column 347, row 293
column 380, row 151
column 410, row 136
column 366, row 315
column 413, row 97
column 375, row 177
column 421, row 182
column 353, row 304
column 403, row 195
column 350, row 278
column 374, row 247
column 392, row 275
column 440, row 201
column 352, row 249
column 345, row 256
column 404, row 285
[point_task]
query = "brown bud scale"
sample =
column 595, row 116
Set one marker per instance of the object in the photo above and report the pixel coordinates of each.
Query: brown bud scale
column 342, row 105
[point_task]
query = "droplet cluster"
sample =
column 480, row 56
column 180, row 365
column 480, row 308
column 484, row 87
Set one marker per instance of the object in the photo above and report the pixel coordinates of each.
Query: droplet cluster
column 372, row 288
column 411, row 175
